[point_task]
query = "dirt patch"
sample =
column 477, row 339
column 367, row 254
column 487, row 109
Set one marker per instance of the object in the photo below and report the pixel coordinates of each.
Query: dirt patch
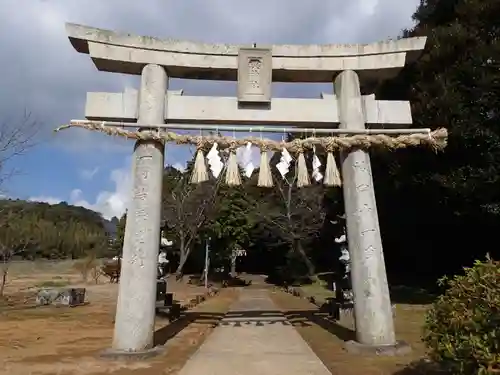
column 67, row 341
column 326, row 339
column 64, row 340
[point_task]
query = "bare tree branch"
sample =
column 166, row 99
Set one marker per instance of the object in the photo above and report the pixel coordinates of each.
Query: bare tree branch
column 16, row 137
column 186, row 209
column 298, row 215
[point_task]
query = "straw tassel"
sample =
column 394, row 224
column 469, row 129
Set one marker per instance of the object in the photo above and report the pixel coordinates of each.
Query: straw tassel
column 265, row 175
column 332, row 173
column 233, row 177
column 200, row 173
column 302, row 174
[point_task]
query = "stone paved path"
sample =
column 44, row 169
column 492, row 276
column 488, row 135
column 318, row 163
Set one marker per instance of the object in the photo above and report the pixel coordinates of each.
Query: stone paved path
column 254, row 338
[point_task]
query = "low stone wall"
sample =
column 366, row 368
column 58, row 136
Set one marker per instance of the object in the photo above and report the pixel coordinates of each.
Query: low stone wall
column 195, row 301
column 297, row 292
column 174, row 311
column 76, row 297
column 346, row 310
column 345, row 313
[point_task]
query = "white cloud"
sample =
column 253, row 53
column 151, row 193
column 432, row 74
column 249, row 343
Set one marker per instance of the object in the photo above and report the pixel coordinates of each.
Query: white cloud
column 115, row 202
column 179, row 166
column 108, row 203
column 88, row 174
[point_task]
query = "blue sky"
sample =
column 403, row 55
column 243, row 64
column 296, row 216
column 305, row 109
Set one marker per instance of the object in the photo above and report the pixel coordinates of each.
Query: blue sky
column 41, row 73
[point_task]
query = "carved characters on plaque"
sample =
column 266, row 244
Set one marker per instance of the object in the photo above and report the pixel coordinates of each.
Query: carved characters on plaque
column 254, row 67
column 254, row 75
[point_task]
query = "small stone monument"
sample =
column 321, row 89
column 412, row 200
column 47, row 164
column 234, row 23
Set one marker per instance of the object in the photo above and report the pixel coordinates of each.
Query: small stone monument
column 345, row 259
column 61, row 297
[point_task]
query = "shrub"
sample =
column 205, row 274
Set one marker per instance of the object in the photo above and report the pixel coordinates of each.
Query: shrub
column 96, row 273
column 86, row 265
column 462, row 329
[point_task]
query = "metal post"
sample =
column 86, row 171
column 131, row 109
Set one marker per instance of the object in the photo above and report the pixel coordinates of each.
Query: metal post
column 207, row 259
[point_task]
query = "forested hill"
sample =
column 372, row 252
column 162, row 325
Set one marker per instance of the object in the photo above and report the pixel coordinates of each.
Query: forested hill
column 34, row 229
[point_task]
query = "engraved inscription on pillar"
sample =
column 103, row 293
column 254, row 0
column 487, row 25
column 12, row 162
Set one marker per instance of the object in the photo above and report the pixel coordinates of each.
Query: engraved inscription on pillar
column 371, row 273
column 365, row 212
column 141, row 191
column 254, row 75
column 361, row 166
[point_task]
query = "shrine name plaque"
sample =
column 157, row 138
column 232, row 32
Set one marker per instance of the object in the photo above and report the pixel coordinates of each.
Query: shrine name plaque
column 254, row 75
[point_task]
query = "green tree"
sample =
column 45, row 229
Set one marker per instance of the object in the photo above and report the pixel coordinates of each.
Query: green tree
column 230, row 227
column 13, row 241
column 453, row 198
column 50, row 231
column 120, row 235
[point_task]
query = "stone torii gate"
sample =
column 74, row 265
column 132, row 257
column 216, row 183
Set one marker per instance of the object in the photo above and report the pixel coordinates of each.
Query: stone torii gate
column 351, row 69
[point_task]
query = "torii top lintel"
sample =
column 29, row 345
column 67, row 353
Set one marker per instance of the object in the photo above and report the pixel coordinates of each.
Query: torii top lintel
column 125, row 53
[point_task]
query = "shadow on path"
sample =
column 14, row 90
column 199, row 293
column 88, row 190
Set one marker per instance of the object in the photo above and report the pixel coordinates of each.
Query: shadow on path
column 168, row 332
column 259, row 318
column 322, row 319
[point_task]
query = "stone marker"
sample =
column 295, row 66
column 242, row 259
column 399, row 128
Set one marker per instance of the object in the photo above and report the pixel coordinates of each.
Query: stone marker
column 60, row 297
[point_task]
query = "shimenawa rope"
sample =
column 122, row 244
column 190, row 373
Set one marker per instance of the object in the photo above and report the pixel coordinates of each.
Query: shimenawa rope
column 436, row 140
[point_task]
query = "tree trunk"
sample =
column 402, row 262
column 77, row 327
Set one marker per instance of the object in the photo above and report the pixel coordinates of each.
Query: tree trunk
column 310, row 266
column 6, row 258
column 183, row 258
column 233, row 265
column 3, row 282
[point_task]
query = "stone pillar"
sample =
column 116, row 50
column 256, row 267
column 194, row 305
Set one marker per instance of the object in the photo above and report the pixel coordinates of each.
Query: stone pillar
column 372, row 305
column 135, row 311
